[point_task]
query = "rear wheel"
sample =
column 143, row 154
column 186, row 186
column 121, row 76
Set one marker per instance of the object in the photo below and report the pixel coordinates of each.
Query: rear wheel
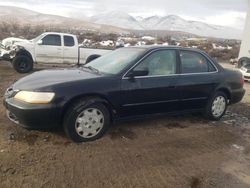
column 216, row 106
column 86, row 121
column 22, row 64
column 92, row 57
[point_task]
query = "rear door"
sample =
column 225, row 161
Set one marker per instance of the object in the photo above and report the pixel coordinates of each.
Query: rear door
column 49, row 49
column 70, row 50
column 197, row 80
column 156, row 92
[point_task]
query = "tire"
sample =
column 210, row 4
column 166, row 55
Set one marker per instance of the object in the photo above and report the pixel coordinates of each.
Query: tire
column 243, row 61
column 92, row 57
column 210, row 112
column 23, row 64
column 78, row 121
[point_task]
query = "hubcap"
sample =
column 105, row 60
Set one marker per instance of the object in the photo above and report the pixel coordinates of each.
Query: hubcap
column 89, row 123
column 218, row 106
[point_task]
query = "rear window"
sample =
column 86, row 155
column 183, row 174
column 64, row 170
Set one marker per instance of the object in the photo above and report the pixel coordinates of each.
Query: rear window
column 193, row 62
column 68, row 41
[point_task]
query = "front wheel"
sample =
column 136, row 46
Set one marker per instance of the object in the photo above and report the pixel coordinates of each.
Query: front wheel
column 216, row 106
column 86, row 121
column 23, row 64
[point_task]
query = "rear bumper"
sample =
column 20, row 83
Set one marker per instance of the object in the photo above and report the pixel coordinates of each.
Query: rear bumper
column 237, row 95
column 33, row 116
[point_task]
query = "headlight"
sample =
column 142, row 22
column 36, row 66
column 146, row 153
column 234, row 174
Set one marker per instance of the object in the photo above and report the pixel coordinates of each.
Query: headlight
column 34, row 97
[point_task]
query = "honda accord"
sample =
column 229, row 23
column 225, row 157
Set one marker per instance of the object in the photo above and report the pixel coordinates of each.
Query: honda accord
column 133, row 82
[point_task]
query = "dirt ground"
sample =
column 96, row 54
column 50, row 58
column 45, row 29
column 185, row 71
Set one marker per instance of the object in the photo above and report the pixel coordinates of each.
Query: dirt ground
column 180, row 151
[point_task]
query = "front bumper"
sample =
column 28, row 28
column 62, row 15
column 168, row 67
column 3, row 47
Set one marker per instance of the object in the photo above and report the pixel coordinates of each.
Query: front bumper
column 38, row 116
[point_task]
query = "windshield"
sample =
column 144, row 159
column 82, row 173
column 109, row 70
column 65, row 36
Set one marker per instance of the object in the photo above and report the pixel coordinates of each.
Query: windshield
column 37, row 38
column 115, row 61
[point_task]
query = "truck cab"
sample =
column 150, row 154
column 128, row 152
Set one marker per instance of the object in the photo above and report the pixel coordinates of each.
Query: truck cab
column 47, row 48
column 56, row 48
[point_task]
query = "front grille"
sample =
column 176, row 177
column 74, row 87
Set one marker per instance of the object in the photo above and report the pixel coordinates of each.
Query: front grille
column 248, row 71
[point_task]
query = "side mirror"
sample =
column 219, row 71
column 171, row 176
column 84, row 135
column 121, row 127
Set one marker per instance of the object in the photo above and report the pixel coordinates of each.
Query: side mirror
column 40, row 42
column 141, row 72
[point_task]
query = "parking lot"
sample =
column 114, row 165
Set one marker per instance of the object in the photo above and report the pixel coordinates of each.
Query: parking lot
column 170, row 151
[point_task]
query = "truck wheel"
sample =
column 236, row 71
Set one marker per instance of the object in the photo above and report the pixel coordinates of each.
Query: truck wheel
column 86, row 120
column 22, row 64
column 216, row 106
column 91, row 58
column 243, row 61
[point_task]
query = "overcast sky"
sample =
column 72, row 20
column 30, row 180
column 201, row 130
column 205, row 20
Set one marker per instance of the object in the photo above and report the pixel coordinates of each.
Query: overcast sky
column 221, row 12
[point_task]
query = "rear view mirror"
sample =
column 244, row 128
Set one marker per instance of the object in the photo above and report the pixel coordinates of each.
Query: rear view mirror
column 135, row 73
column 40, row 42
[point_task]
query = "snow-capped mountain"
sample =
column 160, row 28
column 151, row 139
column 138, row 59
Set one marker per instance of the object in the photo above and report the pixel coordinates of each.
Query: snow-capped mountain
column 176, row 23
column 117, row 22
column 24, row 16
column 118, row 19
column 168, row 23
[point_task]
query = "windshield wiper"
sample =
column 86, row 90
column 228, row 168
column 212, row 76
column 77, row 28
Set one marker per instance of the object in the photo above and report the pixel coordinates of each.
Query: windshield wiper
column 92, row 69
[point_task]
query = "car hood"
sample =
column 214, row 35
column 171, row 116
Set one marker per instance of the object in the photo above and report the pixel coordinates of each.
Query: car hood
column 45, row 79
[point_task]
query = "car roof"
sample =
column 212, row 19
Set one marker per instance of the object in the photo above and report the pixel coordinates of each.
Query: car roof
column 156, row 47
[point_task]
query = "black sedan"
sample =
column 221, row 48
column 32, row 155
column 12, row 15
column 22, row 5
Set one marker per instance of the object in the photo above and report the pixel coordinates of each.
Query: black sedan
column 127, row 83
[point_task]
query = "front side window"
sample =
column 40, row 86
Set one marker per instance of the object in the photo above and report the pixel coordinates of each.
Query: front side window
column 192, row 62
column 52, row 40
column 161, row 62
column 68, row 41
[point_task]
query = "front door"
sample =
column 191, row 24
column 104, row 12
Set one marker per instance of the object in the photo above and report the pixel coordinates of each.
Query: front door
column 49, row 49
column 154, row 93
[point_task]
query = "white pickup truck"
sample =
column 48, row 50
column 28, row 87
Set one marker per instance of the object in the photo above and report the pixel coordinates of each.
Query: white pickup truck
column 48, row 48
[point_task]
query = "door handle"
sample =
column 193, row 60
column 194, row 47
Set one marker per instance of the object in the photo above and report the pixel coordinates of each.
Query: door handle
column 172, row 87
column 59, row 49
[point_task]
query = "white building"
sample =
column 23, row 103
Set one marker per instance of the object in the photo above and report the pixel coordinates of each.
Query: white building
column 245, row 45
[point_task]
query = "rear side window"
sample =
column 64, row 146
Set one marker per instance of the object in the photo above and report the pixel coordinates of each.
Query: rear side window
column 52, row 40
column 192, row 62
column 68, row 41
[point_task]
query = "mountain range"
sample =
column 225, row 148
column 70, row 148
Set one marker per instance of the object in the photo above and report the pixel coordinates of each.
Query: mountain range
column 119, row 22
column 168, row 23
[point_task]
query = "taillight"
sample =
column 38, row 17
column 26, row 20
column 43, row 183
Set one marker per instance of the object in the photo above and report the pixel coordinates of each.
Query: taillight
column 242, row 81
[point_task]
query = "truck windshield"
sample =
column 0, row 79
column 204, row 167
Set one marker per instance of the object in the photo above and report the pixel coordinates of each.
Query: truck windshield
column 38, row 37
column 115, row 61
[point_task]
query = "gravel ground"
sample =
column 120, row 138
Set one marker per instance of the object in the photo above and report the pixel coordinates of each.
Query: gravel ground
column 179, row 151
